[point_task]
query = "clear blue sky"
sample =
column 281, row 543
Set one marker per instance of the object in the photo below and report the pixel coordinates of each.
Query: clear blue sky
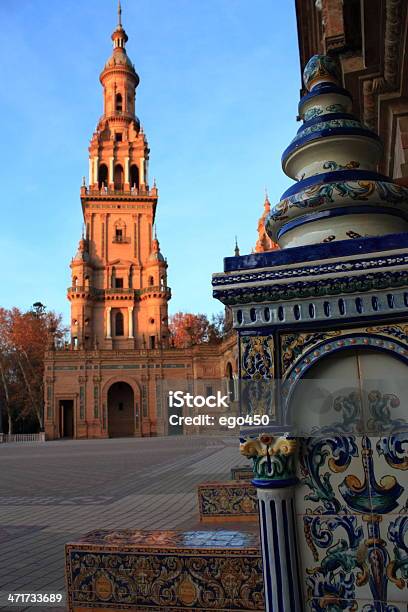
column 217, row 98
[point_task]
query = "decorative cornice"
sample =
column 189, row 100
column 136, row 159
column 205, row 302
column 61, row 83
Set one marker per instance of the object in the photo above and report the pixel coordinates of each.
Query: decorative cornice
column 335, row 267
column 306, row 289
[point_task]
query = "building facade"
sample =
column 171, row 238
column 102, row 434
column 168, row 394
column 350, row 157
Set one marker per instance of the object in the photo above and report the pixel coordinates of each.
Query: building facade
column 106, row 382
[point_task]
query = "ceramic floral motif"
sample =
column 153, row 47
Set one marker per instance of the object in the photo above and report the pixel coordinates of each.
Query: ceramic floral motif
column 357, row 529
column 319, row 196
column 314, row 112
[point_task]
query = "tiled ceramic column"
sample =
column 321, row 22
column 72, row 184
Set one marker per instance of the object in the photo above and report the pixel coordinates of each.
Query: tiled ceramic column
column 275, row 480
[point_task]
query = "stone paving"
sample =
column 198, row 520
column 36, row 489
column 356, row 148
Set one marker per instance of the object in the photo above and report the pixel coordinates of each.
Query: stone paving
column 51, row 493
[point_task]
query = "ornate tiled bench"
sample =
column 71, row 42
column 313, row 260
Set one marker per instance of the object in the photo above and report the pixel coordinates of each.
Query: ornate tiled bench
column 227, row 501
column 242, row 473
column 165, row 570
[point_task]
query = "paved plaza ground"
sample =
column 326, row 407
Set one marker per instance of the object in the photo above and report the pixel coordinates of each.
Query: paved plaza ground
column 51, row 493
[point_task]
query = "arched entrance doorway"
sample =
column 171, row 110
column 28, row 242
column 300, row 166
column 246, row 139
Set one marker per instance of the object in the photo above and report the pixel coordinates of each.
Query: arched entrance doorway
column 121, row 410
column 66, row 418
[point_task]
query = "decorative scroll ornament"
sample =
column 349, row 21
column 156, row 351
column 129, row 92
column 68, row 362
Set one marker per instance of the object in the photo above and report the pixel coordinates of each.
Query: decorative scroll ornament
column 274, row 459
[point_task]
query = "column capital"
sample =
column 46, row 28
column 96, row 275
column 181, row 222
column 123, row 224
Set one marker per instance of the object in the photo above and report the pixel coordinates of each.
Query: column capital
column 274, row 459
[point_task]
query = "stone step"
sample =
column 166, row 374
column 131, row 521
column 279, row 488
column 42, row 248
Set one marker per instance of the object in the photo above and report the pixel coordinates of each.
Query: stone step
column 241, row 473
column 216, row 569
column 234, row 500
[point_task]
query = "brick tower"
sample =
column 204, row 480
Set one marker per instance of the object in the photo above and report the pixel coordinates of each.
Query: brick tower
column 108, row 381
column 119, row 290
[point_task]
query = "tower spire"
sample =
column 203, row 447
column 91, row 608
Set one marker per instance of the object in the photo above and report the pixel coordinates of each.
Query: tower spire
column 119, row 14
column 236, row 250
column 119, row 35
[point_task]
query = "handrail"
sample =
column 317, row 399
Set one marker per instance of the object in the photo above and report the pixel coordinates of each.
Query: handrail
column 107, row 191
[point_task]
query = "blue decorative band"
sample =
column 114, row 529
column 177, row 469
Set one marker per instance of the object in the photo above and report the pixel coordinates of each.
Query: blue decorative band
column 338, row 212
column 338, row 176
column 316, row 252
column 274, row 484
column 325, row 117
column 365, row 263
column 323, row 88
column 297, row 144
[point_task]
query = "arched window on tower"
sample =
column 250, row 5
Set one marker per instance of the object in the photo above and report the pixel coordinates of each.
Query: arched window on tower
column 119, row 327
column 103, row 176
column 134, row 176
column 118, row 102
column 118, row 177
column 151, row 281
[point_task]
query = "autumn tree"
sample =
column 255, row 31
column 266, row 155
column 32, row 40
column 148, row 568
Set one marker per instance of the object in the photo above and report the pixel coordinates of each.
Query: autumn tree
column 188, row 329
column 6, row 368
column 24, row 338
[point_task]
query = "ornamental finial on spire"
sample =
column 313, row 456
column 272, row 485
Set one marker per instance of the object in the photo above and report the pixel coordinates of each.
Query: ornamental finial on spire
column 236, row 250
column 119, row 35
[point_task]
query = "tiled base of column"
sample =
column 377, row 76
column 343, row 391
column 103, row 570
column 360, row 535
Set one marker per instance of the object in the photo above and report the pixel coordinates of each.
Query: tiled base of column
column 227, row 501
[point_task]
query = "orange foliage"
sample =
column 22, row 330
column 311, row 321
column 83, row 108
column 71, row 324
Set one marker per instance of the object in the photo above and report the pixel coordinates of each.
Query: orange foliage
column 24, row 338
column 188, row 329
